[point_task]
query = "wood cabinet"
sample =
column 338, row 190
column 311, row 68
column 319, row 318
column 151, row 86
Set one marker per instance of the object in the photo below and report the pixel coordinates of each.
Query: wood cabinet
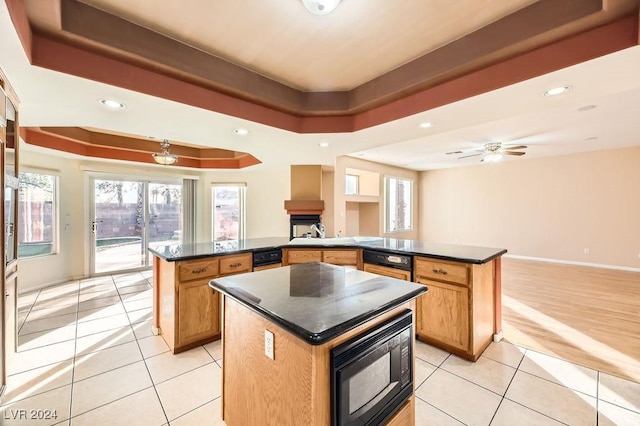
column 187, row 310
column 265, row 267
column 457, row 312
column 9, row 148
column 335, row 256
column 387, row 271
column 198, row 312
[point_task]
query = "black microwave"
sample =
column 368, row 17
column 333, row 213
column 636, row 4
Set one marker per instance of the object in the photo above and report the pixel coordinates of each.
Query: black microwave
column 372, row 374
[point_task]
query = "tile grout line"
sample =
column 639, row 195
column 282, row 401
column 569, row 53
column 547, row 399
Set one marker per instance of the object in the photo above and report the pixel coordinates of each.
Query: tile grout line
column 144, row 360
column 75, row 345
column 597, row 398
column 533, row 375
column 504, row 395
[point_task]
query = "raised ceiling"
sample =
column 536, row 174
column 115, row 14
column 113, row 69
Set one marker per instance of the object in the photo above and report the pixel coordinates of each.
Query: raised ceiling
column 365, row 55
column 361, row 77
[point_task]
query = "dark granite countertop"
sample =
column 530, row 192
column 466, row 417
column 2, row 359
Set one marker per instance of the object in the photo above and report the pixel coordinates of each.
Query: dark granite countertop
column 176, row 252
column 317, row 301
column 454, row 252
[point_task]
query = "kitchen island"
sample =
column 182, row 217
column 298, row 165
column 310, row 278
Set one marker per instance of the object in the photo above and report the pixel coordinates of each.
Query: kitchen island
column 279, row 328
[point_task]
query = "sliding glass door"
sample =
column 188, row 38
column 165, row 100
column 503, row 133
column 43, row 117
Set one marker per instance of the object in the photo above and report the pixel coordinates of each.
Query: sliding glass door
column 128, row 215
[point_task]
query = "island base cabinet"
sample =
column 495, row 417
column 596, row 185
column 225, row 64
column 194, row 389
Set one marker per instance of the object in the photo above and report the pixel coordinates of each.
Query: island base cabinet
column 186, row 310
column 457, row 313
column 198, row 310
column 443, row 314
column 293, row 388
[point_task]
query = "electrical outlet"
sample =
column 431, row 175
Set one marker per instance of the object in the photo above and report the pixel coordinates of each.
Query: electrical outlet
column 586, row 251
column 268, row 344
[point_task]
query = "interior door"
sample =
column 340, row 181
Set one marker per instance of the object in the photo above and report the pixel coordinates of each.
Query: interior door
column 118, row 225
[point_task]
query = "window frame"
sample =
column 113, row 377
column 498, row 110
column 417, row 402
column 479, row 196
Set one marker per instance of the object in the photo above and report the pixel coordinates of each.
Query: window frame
column 387, row 204
column 357, row 181
column 242, row 220
column 55, row 212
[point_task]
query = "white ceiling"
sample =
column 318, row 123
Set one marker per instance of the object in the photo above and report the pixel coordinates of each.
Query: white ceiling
column 518, row 113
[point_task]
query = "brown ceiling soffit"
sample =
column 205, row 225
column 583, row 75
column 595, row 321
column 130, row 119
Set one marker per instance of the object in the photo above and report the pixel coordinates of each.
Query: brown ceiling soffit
column 75, row 140
column 599, row 41
column 304, row 206
column 97, row 29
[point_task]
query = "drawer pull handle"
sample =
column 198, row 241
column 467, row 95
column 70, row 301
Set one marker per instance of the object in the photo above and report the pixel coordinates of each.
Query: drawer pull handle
column 199, row 271
column 235, row 265
column 440, row 271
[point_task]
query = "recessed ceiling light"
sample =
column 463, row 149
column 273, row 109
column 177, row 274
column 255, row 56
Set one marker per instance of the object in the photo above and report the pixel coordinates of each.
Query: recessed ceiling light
column 426, row 125
column 111, row 104
column 557, row 91
column 361, row 154
column 592, row 138
column 323, row 144
column 241, row 132
column 586, row 108
column 320, row 7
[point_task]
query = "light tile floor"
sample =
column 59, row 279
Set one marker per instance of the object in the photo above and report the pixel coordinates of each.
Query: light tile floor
column 87, row 354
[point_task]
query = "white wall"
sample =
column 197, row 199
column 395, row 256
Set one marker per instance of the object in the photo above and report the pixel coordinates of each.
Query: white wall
column 72, row 260
column 550, row 208
column 266, row 191
column 68, row 262
column 340, row 199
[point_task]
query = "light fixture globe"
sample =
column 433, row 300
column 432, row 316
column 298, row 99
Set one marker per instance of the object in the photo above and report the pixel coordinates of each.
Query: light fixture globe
column 164, row 157
column 320, row 7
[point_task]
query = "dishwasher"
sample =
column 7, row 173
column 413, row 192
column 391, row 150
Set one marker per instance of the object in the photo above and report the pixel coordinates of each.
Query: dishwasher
column 267, row 259
column 388, row 264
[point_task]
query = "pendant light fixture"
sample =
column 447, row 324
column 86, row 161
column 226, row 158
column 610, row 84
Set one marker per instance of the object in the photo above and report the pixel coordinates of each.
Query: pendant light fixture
column 164, row 157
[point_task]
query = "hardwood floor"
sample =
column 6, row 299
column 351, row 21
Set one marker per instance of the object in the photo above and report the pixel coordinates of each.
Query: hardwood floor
column 590, row 316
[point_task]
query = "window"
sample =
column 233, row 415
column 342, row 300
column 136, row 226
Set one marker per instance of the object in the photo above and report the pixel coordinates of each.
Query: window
column 351, row 185
column 36, row 214
column 398, row 204
column 228, row 211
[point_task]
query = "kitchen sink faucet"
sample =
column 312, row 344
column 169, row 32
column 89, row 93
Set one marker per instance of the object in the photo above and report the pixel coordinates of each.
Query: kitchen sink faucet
column 319, row 229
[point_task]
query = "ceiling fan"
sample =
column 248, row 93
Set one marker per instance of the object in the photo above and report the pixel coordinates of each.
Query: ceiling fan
column 493, row 151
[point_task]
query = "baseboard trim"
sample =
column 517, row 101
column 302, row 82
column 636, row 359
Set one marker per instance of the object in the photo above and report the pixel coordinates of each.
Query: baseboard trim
column 571, row 262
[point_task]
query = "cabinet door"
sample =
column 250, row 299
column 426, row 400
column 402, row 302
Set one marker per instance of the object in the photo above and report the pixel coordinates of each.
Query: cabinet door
column 443, row 314
column 10, row 319
column 198, row 311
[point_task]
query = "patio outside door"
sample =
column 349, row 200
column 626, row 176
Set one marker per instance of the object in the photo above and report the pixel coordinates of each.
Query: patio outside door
column 128, row 215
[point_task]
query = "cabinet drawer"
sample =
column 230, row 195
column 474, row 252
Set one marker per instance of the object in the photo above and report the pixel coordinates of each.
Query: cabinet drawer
column 193, row 269
column 265, row 267
column 303, row 256
column 340, row 257
column 387, row 272
column 236, row 264
column 441, row 270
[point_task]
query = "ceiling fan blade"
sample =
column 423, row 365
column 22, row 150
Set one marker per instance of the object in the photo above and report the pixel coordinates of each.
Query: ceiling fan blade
column 454, row 152
column 513, row 153
column 472, row 155
column 514, row 147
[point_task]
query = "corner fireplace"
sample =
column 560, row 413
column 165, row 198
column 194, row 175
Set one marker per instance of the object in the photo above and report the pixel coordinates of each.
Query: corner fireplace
column 300, row 225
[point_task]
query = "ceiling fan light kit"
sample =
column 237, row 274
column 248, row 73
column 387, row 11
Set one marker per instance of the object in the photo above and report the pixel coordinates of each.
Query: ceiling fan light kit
column 493, row 152
column 165, row 158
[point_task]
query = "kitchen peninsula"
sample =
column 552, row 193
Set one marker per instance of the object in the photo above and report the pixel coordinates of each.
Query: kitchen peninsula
column 281, row 327
column 461, row 312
